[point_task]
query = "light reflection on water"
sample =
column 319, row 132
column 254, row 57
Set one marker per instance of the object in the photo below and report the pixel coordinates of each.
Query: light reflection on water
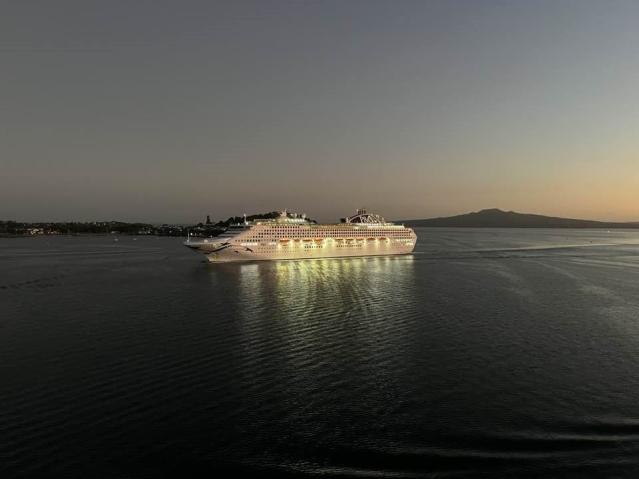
column 312, row 305
column 302, row 288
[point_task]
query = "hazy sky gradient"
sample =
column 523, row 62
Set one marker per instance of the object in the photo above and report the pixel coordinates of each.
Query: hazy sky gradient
column 168, row 111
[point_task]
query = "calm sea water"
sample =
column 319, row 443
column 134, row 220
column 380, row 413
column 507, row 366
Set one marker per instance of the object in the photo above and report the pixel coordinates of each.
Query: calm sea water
column 504, row 353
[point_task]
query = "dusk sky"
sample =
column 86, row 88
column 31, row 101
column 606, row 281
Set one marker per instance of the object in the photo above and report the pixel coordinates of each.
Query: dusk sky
column 168, row 111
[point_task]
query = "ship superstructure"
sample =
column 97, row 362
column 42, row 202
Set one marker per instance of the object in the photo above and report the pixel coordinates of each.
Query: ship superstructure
column 295, row 237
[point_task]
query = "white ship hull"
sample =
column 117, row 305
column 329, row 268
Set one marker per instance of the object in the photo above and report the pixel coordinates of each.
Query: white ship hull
column 241, row 254
column 286, row 239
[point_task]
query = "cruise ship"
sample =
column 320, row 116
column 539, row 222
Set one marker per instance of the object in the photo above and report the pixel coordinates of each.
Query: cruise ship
column 290, row 236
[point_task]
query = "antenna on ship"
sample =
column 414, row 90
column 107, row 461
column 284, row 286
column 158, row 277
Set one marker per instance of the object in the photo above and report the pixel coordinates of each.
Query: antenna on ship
column 245, row 222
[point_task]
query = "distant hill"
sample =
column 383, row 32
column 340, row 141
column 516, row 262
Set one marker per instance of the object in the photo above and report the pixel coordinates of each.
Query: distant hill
column 496, row 218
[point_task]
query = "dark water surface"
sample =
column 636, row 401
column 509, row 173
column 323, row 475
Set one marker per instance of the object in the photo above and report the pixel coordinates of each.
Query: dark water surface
column 504, row 353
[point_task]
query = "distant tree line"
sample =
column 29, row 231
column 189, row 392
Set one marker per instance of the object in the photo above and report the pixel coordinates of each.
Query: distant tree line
column 16, row 228
column 240, row 219
column 95, row 227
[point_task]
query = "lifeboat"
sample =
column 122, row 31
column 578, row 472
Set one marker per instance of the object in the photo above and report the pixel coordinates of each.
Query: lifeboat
column 307, row 240
column 284, row 241
column 318, row 240
column 383, row 239
column 371, row 239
